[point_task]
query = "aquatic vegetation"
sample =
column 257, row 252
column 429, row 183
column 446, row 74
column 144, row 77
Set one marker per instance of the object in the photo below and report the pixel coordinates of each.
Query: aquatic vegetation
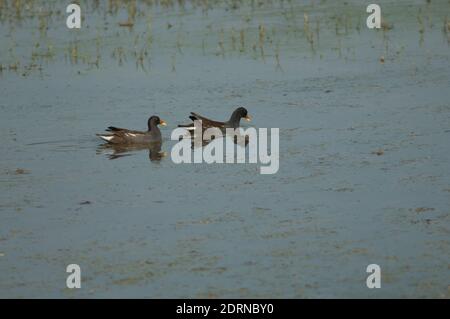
column 134, row 30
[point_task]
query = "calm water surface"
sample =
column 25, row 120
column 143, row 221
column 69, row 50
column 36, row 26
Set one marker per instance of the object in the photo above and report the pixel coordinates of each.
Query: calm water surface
column 364, row 120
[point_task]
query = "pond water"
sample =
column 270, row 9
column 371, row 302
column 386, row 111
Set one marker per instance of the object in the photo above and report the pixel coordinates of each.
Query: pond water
column 364, row 118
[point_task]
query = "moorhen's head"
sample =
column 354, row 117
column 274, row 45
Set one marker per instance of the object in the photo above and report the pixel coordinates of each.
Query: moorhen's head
column 241, row 112
column 155, row 121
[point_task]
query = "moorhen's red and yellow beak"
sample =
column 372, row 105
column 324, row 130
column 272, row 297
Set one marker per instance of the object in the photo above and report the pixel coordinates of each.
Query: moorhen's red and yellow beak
column 162, row 123
column 248, row 118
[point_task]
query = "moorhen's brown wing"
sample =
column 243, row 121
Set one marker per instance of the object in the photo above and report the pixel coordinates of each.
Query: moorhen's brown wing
column 118, row 129
column 206, row 122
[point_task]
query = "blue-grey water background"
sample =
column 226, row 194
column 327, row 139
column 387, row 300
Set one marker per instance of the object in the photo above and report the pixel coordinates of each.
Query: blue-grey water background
column 364, row 149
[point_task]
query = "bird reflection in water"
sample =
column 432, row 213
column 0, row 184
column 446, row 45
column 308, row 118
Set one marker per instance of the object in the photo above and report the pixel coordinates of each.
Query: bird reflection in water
column 239, row 140
column 116, row 151
column 155, row 154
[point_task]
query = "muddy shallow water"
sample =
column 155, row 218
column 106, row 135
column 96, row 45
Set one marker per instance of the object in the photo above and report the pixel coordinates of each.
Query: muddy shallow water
column 364, row 120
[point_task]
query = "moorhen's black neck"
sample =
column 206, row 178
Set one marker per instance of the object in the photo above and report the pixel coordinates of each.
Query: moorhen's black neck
column 152, row 124
column 153, row 127
column 235, row 118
